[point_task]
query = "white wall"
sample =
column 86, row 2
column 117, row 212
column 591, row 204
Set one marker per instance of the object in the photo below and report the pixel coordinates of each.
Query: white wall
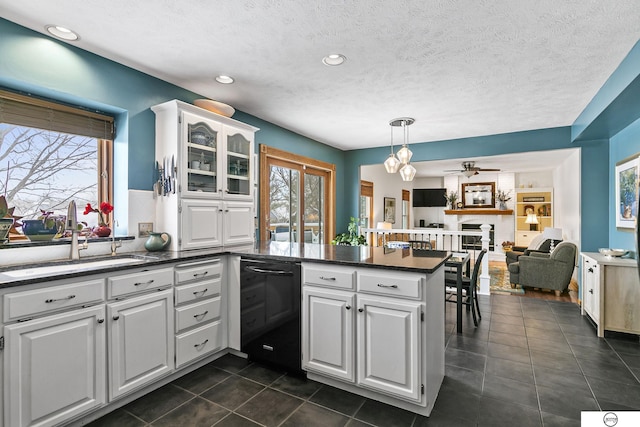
column 385, row 185
column 566, row 198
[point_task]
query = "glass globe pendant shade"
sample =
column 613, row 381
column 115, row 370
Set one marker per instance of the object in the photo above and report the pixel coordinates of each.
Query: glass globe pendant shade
column 404, row 154
column 407, row 172
column 392, row 164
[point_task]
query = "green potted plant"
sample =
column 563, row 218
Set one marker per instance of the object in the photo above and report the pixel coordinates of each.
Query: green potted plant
column 351, row 238
column 452, row 198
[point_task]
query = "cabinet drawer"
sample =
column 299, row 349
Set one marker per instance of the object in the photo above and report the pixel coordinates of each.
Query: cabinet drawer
column 138, row 282
column 18, row 305
column 196, row 291
column 198, row 343
column 405, row 285
column 328, row 275
column 198, row 270
column 197, row 313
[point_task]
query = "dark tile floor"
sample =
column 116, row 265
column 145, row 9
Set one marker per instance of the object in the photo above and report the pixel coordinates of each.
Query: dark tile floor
column 530, row 362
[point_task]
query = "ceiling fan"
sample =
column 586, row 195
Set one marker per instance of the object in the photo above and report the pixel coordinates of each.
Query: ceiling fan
column 469, row 169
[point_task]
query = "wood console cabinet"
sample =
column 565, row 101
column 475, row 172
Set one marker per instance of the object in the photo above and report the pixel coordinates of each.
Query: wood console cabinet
column 611, row 292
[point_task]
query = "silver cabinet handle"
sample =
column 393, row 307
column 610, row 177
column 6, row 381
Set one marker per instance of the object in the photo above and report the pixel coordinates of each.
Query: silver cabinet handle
column 348, row 307
column 59, row 299
column 144, row 283
column 361, row 310
column 200, row 274
column 201, row 315
column 116, row 317
column 200, row 292
column 201, row 344
column 327, row 278
column 100, row 320
column 380, row 285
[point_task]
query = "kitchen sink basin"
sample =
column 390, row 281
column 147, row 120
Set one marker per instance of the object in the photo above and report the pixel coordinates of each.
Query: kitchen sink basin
column 47, row 270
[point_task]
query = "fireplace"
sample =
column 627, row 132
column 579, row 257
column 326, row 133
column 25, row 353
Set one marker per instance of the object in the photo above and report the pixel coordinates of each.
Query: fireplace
column 475, row 242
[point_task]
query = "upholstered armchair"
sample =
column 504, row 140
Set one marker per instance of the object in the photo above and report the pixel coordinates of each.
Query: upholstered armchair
column 546, row 271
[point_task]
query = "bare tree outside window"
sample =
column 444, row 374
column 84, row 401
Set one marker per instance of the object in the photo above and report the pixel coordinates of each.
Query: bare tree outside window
column 44, row 170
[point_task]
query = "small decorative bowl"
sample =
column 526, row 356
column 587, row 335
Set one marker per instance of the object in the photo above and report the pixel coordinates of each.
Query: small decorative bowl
column 613, row 252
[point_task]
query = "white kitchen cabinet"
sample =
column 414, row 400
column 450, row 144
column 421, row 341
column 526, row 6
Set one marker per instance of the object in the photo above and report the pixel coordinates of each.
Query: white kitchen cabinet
column 140, row 340
column 388, row 346
column 373, row 340
column 611, row 292
column 200, row 312
column 328, row 332
column 213, row 163
column 54, row 367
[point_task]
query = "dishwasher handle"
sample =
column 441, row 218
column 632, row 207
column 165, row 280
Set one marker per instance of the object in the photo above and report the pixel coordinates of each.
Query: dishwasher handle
column 266, row 271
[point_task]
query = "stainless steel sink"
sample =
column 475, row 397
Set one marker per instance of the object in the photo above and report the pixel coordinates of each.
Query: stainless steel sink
column 48, row 270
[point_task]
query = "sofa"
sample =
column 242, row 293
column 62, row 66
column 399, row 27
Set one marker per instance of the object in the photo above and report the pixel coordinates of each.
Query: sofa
column 547, row 271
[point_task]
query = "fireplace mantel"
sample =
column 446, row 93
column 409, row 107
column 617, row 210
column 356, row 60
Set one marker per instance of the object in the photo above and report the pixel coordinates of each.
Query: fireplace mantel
column 478, row 212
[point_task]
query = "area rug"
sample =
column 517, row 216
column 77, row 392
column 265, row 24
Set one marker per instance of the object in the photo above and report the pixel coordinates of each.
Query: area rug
column 500, row 280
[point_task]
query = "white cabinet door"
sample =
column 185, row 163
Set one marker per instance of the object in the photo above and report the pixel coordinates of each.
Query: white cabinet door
column 238, row 162
column 201, row 224
column 54, row 367
column 140, row 341
column 202, row 159
column 239, row 223
column 389, row 346
column 591, row 288
column 327, row 332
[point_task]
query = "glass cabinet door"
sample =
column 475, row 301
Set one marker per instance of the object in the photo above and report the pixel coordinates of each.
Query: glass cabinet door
column 202, row 150
column 238, row 164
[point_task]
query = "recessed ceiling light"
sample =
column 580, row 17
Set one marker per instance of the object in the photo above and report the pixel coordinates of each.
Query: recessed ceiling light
column 334, row 59
column 225, row 80
column 62, row 32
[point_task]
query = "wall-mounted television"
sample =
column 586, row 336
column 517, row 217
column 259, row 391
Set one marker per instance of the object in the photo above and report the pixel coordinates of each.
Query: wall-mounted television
column 429, row 197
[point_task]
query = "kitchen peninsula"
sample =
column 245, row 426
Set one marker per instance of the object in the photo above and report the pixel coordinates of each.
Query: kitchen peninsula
column 372, row 322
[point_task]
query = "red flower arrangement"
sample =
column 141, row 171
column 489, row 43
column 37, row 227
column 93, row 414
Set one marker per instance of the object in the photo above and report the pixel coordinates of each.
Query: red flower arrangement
column 105, row 209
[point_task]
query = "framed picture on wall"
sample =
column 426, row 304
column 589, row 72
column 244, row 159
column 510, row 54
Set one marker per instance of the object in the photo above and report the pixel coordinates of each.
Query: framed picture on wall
column 390, row 210
column 626, row 205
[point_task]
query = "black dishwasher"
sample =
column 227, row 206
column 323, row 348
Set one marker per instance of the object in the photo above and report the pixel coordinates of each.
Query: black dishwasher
column 270, row 312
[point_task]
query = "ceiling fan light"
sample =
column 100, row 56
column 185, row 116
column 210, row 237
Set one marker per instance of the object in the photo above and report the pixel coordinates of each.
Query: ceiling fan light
column 404, row 154
column 392, row 164
column 468, row 173
column 407, row 172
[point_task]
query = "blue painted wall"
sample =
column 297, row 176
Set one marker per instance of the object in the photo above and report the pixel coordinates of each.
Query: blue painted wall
column 624, row 144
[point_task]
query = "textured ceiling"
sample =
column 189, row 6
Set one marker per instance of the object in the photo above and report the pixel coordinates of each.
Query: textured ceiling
column 460, row 68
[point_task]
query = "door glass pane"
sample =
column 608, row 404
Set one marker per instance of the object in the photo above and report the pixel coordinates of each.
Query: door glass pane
column 314, row 208
column 202, row 144
column 283, row 203
column 365, row 211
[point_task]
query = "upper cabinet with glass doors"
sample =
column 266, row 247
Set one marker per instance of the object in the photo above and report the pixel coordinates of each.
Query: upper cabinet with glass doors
column 213, row 154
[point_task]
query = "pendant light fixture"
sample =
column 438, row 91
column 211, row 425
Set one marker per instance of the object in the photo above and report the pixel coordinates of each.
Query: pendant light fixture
column 392, row 164
column 407, row 172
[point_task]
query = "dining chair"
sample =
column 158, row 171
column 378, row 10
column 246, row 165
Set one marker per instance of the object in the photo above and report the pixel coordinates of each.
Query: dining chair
column 469, row 288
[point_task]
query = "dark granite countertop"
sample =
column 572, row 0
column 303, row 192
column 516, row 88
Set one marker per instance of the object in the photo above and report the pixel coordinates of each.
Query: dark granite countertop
column 362, row 256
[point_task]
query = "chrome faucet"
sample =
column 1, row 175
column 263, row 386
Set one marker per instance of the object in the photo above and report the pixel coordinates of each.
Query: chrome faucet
column 115, row 245
column 72, row 225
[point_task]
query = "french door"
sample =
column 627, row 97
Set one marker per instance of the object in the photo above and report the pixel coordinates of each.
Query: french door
column 297, row 203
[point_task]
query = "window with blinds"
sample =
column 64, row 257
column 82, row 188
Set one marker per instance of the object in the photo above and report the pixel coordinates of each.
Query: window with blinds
column 52, row 153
